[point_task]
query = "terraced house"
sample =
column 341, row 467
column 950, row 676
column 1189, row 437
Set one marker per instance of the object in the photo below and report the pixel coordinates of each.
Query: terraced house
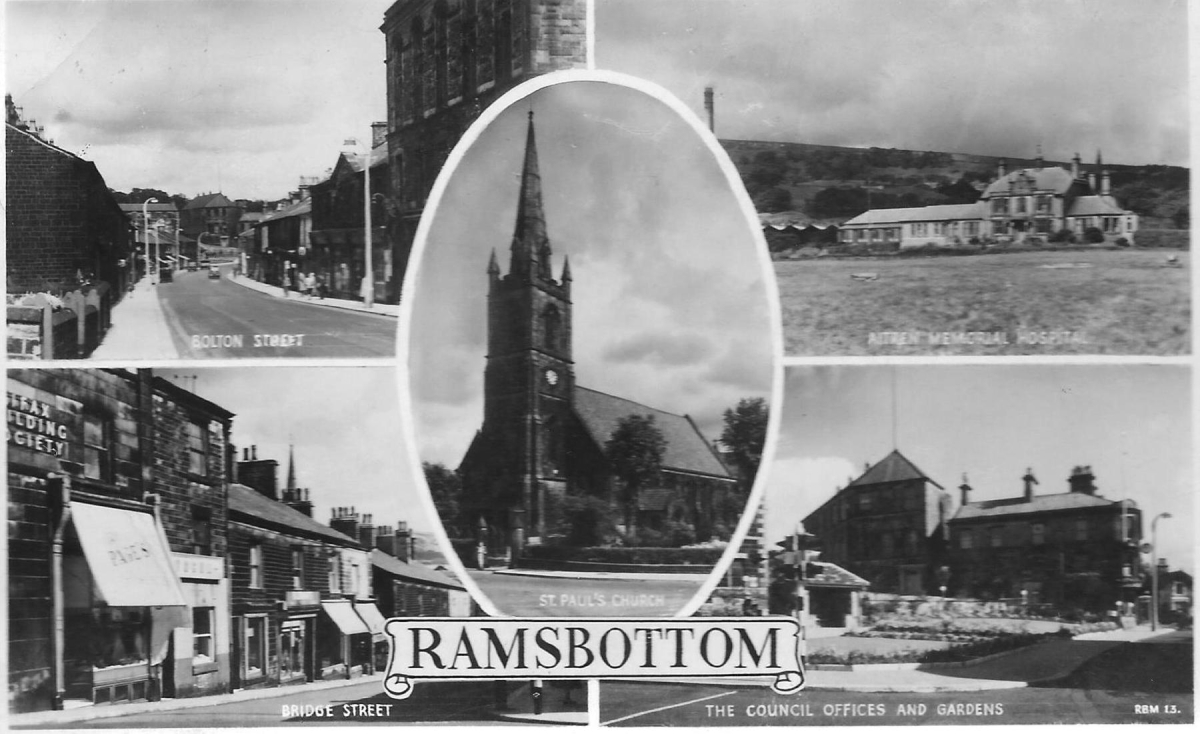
column 1041, row 201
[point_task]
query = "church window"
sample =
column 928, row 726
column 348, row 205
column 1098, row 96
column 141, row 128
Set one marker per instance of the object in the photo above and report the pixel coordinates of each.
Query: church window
column 412, row 70
column 552, row 448
column 551, row 328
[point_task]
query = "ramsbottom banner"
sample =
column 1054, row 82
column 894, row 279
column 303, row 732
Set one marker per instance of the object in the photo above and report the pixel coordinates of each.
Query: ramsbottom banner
column 547, row 648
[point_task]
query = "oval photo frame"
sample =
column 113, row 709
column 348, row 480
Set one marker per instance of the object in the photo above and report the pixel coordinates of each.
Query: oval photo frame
column 590, row 307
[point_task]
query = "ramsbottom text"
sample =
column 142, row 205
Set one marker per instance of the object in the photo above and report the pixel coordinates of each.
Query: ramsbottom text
column 461, row 647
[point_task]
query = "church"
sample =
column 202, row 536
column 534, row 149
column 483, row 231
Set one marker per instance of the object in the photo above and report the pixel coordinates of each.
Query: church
column 543, row 436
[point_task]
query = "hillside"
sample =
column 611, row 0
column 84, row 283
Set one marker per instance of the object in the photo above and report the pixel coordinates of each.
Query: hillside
column 824, row 183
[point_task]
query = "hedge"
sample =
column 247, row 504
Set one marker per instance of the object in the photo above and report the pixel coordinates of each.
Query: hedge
column 626, row 555
column 1169, row 238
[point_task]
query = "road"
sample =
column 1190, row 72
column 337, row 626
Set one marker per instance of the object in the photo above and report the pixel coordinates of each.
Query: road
column 218, row 318
column 1142, row 683
column 549, row 596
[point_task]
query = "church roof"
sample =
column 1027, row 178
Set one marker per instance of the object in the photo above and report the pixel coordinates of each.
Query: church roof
column 1038, row 503
column 935, row 213
column 1086, row 206
column 894, row 467
column 687, row 450
column 1054, row 179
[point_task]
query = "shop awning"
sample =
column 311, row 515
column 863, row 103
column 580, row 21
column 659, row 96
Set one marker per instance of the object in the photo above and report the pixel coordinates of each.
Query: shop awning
column 342, row 614
column 371, row 616
column 127, row 554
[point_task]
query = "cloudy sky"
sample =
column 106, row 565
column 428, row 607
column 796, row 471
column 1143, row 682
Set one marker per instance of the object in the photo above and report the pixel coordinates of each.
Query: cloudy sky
column 1130, row 423
column 670, row 306
column 991, row 78
column 243, row 96
column 343, row 421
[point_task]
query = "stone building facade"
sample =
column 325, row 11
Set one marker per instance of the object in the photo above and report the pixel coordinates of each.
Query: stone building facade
column 447, row 60
column 63, row 228
column 888, row 526
column 1073, row 548
column 117, row 494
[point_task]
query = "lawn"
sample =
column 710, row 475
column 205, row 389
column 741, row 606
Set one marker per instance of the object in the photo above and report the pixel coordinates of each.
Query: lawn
column 1060, row 302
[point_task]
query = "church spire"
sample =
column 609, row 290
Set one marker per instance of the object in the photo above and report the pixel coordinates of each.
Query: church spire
column 529, row 243
column 291, row 478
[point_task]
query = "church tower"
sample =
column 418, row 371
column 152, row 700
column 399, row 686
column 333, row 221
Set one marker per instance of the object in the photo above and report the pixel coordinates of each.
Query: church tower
column 529, row 379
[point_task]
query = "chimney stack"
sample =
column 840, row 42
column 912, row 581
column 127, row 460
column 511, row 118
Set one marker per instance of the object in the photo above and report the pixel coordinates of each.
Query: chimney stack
column 1029, row 480
column 1076, row 164
column 964, row 490
column 1082, row 480
column 378, row 134
column 385, row 540
column 366, row 532
column 261, row 476
column 403, row 542
column 1040, row 160
column 1001, row 168
column 345, row 521
column 708, row 107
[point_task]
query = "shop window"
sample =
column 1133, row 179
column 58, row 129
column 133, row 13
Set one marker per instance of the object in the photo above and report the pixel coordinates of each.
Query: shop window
column 202, row 634
column 96, row 448
column 201, row 531
column 197, row 437
column 298, row 568
column 256, row 566
column 255, row 645
column 291, row 649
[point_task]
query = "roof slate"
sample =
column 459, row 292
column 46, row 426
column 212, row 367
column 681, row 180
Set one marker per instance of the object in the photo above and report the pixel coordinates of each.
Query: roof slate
column 1085, row 206
column 687, row 450
column 1039, row 503
column 206, row 201
column 246, row 501
column 1053, row 178
column 894, row 467
column 935, row 213
column 413, row 571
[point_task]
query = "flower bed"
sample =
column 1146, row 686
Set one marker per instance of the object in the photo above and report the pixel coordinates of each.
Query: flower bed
column 954, row 654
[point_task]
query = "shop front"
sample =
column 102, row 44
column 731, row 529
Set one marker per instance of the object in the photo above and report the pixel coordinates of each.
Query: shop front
column 343, row 641
column 201, row 654
column 370, row 615
column 121, row 603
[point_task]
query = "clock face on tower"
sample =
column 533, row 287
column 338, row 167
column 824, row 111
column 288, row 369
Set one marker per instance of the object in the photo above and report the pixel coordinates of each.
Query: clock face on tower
column 551, row 377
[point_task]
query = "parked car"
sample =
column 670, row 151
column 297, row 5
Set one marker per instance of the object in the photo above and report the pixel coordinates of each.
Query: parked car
column 214, row 272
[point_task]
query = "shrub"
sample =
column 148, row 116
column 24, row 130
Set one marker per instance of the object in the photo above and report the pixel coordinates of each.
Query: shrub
column 1063, row 235
column 1122, row 242
column 1093, row 235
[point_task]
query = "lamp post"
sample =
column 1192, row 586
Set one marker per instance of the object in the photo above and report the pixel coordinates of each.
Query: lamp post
column 146, row 232
column 1154, row 569
column 368, row 284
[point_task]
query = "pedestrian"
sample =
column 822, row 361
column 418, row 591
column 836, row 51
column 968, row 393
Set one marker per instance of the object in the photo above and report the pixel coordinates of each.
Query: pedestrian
column 310, row 285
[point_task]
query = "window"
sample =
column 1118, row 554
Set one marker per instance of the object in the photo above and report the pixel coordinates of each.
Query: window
column 996, row 534
column 197, row 437
column 1038, row 533
column 291, row 649
column 95, row 448
column 1043, row 226
column 911, row 544
column 202, row 634
column 887, row 545
column 1043, row 205
column 1021, row 205
column 255, row 644
column 335, row 574
column 551, row 327
column 1000, row 206
column 201, row 530
column 966, row 539
column 1081, row 530
column 351, row 585
column 297, row 568
column 256, row 566
column 864, row 501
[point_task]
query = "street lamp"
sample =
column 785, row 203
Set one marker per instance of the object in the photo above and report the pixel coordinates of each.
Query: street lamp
column 146, row 232
column 368, row 284
column 1154, row 569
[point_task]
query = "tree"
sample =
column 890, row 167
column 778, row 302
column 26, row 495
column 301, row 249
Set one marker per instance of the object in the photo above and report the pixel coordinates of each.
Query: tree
column 445, row 487
column 635, row 449
column 744, row 435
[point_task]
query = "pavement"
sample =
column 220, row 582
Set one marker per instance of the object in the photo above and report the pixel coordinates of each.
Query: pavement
column 561, row 705
column 275, row 291
column 139, row 327
column 89, row 712
column 598, row 575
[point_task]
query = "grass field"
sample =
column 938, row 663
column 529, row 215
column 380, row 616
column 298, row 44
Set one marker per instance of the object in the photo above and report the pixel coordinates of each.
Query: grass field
column 1062, row 302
